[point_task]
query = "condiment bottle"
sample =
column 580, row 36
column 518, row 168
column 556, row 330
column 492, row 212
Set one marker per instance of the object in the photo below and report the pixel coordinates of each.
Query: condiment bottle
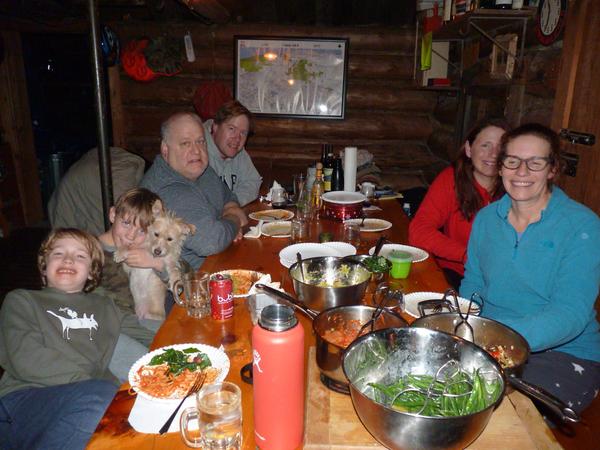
column 278, row 379
column 318, row 188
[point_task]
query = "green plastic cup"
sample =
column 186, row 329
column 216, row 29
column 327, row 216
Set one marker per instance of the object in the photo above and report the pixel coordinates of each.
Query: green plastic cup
column 401, row 262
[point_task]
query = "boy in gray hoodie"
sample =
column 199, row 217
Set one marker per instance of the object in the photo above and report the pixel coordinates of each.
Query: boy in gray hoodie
column 55, row 348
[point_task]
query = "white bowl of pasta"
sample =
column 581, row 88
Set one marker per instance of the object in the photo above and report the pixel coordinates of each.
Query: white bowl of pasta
column 167, row 373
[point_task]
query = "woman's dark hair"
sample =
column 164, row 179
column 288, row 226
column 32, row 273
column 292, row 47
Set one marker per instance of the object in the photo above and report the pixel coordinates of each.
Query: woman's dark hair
column 469, row 200
column 544, row 133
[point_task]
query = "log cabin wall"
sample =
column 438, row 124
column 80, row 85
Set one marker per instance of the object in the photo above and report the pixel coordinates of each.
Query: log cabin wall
column 385, row 113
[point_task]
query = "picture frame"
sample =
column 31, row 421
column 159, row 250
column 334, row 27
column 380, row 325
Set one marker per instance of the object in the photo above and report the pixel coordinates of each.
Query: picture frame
column 291, row 77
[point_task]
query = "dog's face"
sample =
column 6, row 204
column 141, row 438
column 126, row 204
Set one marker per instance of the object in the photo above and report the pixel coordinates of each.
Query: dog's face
column 167, row 233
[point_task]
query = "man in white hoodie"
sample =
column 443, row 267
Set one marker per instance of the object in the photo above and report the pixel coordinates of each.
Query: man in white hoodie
column 225, row 138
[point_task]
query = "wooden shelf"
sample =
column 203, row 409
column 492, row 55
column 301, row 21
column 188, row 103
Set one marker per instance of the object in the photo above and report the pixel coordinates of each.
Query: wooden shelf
column 490, row 20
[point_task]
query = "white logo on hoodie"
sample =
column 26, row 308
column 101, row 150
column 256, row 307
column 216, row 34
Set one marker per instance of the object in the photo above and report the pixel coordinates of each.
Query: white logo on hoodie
column 74, row 322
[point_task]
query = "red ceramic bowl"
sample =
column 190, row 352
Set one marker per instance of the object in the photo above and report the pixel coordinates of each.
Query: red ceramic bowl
column 340, row 205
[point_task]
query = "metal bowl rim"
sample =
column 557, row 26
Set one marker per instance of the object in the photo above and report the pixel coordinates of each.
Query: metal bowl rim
column 476, row 319
column 336, row 258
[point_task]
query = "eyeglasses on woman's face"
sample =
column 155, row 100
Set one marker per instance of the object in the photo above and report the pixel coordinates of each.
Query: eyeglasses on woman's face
column 535, row 163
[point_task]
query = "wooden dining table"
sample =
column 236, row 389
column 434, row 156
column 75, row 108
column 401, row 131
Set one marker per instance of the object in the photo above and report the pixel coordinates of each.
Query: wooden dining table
column 262, row 255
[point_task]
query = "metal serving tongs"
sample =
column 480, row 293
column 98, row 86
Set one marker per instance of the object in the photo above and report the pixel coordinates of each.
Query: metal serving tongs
column 437, row 305
column 382, row 292
column 463, row 328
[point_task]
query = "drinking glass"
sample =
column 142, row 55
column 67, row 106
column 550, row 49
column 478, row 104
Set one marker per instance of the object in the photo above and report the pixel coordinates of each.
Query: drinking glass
column 299, row 230
column 196, row 294
column 352, row 233
column 278, row 197
column 218, row 413
column 299, row 182
column 367, row 189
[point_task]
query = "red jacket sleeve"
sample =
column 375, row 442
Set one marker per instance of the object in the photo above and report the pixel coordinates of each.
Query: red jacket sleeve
column 436, row 210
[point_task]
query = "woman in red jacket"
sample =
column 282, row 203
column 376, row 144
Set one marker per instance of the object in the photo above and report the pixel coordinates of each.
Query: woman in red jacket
column 443, row 222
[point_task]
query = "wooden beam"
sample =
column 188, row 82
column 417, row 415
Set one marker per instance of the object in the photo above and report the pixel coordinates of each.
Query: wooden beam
column 16, row 123
column 211, row 9
column 114, row 86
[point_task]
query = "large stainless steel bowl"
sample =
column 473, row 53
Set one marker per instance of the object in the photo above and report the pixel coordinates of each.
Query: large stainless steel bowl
column 414, row 350
column 490, row 333
column 354, row 275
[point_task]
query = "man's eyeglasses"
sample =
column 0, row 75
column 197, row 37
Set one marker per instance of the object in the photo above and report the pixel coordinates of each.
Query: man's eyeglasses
column 535, row 163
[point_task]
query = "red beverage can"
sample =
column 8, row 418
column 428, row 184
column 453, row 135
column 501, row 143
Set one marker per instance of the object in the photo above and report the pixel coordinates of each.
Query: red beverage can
column 221, row 296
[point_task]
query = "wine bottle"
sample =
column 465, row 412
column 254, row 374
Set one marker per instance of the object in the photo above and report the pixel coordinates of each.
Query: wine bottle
column 337, row 176
column 327, row 171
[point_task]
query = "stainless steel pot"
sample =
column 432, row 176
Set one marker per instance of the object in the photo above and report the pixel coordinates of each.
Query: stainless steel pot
column 490, row 333
column 318, row 298
column 393, row 353
column 329, row 354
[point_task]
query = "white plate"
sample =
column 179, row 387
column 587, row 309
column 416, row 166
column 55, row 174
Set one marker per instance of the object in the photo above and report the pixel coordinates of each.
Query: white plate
column 218, row 359
column 343, row 248
column 252, row 274
column 371, row 225
column 278, row 229
column 344, row 198
column 411, row 303
column 287, row 256
column 271, row 215
column 418, row 253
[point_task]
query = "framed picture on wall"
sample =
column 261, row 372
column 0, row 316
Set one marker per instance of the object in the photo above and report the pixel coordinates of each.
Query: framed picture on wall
column 291, row 77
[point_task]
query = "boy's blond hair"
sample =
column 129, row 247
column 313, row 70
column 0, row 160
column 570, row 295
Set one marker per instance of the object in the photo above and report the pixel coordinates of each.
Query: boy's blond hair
column 136, row 205
column 91, row 243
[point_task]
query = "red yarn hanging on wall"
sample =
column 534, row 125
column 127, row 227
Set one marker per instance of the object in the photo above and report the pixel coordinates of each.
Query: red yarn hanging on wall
column 135, row 64
column 209, row 97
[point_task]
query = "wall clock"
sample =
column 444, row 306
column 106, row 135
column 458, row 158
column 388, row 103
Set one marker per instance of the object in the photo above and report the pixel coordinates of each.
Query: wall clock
column 550, row 20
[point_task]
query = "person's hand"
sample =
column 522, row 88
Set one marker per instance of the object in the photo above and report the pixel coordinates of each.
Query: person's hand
column 140, row 257
column 233, row 211
column 239, row 236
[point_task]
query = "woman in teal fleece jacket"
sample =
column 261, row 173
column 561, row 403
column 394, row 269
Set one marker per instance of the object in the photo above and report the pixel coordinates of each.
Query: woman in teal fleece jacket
column 534, row 256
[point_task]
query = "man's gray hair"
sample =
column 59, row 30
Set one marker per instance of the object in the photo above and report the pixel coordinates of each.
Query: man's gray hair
column 165, row 127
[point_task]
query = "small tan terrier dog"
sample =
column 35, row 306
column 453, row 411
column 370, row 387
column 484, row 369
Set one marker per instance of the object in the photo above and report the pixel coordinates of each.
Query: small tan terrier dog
column 164, row 239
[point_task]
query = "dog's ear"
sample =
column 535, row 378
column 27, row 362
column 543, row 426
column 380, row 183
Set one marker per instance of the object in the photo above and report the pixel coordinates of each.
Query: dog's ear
column 157, row 208
column 190, row 228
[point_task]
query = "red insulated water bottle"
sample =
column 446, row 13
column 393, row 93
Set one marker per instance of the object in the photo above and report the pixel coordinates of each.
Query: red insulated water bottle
column 278, row 374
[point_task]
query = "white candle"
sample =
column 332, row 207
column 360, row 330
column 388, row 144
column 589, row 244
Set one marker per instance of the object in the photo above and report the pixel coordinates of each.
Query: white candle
column 350, row 169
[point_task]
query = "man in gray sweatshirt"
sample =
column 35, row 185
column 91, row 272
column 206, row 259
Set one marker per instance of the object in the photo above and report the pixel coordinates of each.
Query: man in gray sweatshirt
column 225, row 139
column 180, row 175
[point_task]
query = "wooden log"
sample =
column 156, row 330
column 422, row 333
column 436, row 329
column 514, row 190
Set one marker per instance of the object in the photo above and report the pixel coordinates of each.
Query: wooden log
column 145, row 121
column 399, row 39
column 442, row 143
column 116, row 101
column 16, row 125
column 387, row 155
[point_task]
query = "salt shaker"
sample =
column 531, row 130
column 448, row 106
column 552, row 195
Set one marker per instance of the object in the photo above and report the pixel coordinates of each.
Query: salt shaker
column 278, row 379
